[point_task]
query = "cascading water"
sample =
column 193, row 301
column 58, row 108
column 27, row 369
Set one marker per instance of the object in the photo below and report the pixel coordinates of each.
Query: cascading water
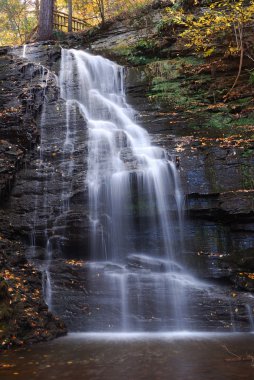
column 130, row 182
column 104, row 191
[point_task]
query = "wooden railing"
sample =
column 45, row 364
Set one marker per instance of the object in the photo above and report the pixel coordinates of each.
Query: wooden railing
column 61, row 22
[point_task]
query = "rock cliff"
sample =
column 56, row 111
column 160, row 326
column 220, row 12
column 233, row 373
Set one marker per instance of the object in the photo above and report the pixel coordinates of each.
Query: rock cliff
column 179, row 100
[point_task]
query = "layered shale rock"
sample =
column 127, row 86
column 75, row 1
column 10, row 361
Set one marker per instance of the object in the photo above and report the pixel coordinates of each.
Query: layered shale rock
column 24, row 316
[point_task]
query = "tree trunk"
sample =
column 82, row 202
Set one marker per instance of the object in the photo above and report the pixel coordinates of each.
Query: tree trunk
column 69, row 15
column 101, row 10
column 45, row 31
column 37, row 9
column 241, row 47
column 25, row 21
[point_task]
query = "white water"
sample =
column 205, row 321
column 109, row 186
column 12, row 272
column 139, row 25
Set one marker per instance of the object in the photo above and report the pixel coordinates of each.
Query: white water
column 120, row 156
column 128, row 179
column 24, row 51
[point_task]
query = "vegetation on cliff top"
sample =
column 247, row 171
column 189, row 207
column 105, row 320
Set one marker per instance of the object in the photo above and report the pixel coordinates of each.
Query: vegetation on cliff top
column 19, row 18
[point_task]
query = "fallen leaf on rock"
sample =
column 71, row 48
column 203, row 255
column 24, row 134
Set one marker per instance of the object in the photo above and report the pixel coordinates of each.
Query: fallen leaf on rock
column 6, row 366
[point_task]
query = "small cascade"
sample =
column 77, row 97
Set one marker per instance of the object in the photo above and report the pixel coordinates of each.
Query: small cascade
column 250, row 316
column 24, row 51
column 43, row 167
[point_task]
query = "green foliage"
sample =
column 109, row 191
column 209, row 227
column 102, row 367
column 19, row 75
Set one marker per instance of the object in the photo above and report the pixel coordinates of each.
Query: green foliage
column 251, row 78
column 245, row 121
column 144, row 45
column 169, row 83
column 162, row 25
column 243, row 101
column 169, row 91
column 138, row 60
column 141, row 53
column 247, row 170
column 248, row 153
column 219, row 121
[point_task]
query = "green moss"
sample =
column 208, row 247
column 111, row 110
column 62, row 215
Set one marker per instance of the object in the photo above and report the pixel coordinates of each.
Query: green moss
column 169, row 91
column 171, row 84
column 176, row 83
column 139, row 60
column 135, row 54
column 248, row 153
column 144, row 45
column 247, row 175
column 243, row 101
column 219, row 120
column 243, row 121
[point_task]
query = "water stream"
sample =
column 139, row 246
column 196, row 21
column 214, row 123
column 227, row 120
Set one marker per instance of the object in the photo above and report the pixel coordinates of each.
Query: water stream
column 134, row 357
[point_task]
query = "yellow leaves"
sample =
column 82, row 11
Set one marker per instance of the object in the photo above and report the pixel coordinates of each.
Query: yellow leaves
column 247, row 274
column 219, row 18
column 209, row 52
column 233, row 50
column 92, row 11
column 7, row 275
column 7, row 366
column 78, row 263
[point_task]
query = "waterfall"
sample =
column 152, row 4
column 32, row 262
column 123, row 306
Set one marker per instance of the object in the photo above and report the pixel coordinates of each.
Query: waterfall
column 107, row 222
column 130, row 182
column 122, row 162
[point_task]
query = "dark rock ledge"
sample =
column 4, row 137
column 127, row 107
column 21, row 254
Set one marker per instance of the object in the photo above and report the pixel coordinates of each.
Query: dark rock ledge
column 24, row 316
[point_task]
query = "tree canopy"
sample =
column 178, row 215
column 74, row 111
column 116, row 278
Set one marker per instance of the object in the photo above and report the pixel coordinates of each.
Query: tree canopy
column 18, row 19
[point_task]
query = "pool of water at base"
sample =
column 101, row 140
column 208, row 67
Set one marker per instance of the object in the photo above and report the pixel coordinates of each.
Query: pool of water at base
column 157, row 356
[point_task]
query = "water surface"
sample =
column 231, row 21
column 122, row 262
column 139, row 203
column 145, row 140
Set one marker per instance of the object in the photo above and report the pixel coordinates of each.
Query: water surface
column 176, row 356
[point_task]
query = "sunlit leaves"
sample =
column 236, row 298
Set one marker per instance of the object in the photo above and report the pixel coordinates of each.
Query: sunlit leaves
column 17, row 21
column 94, row 11
column 221, row 18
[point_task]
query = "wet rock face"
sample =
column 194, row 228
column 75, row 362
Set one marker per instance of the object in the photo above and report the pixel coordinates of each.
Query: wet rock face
column 216, row 173
column 24, row 317
column 24, row 86
column 54, row 180
column 49, row 199
column 47, row 54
